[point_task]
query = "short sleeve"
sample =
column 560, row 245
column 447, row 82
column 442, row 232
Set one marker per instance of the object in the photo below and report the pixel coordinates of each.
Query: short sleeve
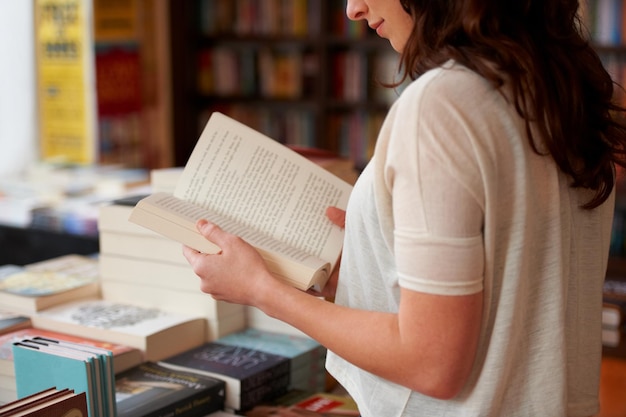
column 437, row 192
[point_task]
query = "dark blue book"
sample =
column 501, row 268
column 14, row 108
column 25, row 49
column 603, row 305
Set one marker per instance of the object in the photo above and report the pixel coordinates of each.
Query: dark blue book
column 251, row 376
column 152, row 390
column 307, row 356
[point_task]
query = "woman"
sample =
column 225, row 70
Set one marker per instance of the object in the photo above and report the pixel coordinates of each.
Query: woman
column 477, row 237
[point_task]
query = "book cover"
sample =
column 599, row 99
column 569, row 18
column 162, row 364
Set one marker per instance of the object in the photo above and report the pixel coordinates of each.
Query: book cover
column 37, row 370
column 124, row 357
column 48, row 403
column 329, row 405
column 156, row 332
column 48, row 283
column 254, row 187
column 307, row 357
column 152, row 390
column 300, row 350
column 103, row 366
column 251, row 376
column 42, row 395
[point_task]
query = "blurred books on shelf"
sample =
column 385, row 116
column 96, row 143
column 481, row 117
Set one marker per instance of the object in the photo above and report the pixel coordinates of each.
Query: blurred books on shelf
column 37, row 286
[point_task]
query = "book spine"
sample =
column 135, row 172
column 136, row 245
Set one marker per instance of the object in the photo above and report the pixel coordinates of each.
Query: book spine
column 266, row 377
column 275, row 388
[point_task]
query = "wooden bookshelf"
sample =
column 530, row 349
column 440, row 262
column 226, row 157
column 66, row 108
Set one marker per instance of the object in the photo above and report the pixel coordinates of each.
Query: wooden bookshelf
column 298, row 71
column 604, row 21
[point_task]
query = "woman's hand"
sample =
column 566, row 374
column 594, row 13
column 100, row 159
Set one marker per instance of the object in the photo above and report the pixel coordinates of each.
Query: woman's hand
column 236, row 274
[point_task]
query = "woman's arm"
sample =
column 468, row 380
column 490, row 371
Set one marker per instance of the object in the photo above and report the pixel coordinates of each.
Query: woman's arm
column 429, row 346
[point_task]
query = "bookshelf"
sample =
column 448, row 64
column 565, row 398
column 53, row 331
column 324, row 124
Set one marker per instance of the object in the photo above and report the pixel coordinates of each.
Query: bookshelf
column 298, row 71
column 606, row 24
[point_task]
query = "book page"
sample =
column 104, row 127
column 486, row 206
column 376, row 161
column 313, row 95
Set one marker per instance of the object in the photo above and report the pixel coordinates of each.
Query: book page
column 176, row 219
column 247, row 176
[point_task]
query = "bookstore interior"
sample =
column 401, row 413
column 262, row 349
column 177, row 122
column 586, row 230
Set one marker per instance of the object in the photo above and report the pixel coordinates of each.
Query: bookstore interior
column 119, row 100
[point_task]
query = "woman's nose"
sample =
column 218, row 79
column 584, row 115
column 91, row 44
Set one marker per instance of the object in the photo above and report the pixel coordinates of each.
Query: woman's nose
column 356, row 9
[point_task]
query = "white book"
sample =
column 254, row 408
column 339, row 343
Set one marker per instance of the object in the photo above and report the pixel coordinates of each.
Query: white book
column 158, row 274
column 145, row 247
column 113, row 217
column 254, row 187
column 34, row 287
column 156, row 332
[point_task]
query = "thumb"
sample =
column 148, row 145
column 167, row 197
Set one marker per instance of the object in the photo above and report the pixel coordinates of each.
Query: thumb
column 211, row 232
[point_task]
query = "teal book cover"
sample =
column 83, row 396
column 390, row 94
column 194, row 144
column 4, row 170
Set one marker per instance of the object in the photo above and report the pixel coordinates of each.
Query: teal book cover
column 301, row 350
column 105, row 368
column 37, row 370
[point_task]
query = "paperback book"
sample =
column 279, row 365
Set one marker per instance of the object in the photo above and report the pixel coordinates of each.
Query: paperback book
column 306, row 356
column 156, row 332
column 251, row 376
column 39, row 366
column 124, row 357
column 11, row 321
column 152, row 390
column 254, row 187
column 34, row 287
column 51, row 402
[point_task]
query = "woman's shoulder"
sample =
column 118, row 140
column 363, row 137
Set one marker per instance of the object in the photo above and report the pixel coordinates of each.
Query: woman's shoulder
column 449, row 79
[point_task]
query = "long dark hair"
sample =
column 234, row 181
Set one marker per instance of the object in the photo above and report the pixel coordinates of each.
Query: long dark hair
column 558, row 81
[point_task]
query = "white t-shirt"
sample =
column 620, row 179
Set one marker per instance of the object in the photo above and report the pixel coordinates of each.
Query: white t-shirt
column 455, row 201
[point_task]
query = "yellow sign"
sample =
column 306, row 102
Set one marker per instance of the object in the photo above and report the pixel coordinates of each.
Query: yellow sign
column 66, row 90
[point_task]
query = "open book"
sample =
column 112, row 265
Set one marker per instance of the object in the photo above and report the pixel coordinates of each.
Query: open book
column 254, row 187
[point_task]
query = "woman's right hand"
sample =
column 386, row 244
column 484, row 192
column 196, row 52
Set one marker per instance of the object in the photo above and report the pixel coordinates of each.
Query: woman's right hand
column 338, row 217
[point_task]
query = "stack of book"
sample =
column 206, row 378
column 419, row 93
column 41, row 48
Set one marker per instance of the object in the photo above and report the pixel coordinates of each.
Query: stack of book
column 124, row 357
column 306, row 356
column 34, row 287
column 43, row 363
column 251, row 376
column 142, row 267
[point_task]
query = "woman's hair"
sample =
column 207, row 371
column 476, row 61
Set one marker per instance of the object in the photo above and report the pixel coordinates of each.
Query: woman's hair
column 558, row 82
